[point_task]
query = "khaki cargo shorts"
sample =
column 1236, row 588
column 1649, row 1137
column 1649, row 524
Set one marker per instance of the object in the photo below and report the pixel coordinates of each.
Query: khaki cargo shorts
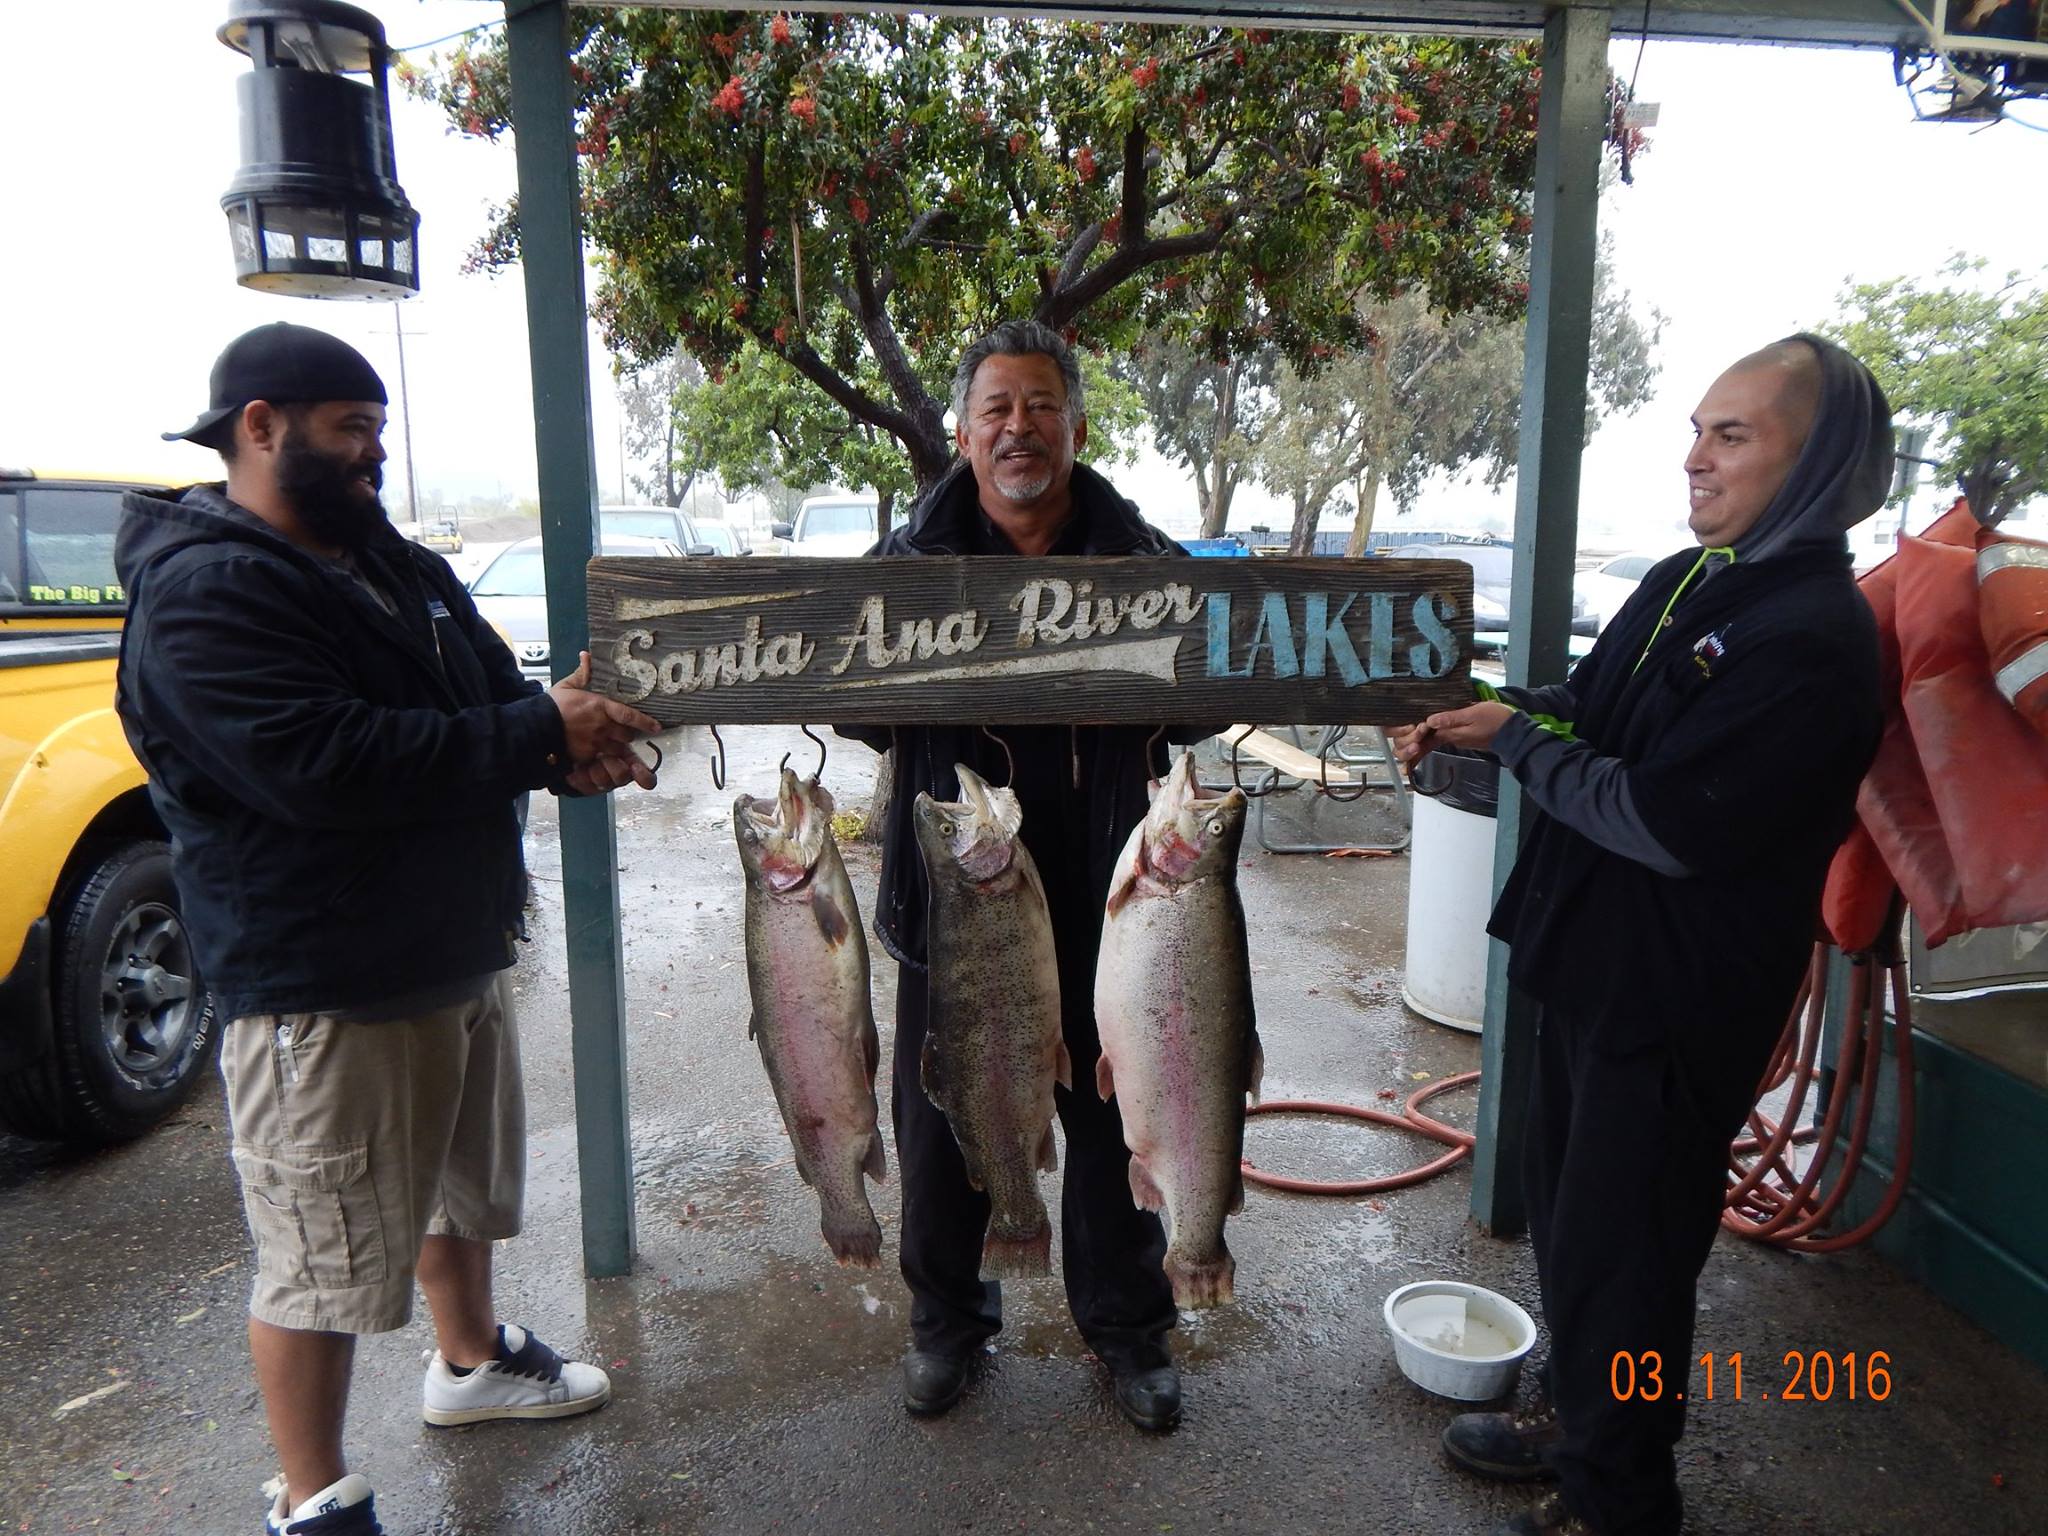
column 353, row 1140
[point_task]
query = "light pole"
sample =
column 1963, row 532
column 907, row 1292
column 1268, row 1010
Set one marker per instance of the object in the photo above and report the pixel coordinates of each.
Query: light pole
column 412, row 500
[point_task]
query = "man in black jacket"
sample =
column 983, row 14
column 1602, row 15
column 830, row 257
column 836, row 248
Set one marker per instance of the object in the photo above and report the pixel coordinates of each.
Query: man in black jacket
column 335, row 740
column 1020, row 420
column 1686, row 790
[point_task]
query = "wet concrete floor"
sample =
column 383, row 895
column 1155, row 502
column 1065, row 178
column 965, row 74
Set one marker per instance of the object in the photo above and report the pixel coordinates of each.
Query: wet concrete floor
column 754, row 1380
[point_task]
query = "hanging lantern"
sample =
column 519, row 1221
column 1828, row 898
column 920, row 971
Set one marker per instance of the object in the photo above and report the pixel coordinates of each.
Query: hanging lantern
column 316, row 210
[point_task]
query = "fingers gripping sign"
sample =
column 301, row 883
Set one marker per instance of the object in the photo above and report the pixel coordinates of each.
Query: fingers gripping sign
column 599, row 733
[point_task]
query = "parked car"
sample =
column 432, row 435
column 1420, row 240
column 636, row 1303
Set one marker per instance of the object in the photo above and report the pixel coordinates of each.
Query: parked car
column 105, row 1025
column 511, row 593
column 671, row 523
column 724, row 538
column 445, row 535
column 1492, row 582
column 1608, row 585
column 842, row 525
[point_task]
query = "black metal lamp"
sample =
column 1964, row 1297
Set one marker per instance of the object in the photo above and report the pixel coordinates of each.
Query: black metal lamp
column 316, row 210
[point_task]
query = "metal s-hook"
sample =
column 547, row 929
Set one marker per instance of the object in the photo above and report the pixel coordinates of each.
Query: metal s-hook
column 819, row 742
column 1331, row 736
column 1272, row 776
column 1009, row 758
column 717, row 758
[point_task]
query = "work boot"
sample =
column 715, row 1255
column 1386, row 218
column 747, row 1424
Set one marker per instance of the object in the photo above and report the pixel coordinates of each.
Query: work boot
column 526, row 1381
column 1507, row 1447
column 932, row 1382
column 1149, row 1399
column 1546, row 1517
column 346, row 1508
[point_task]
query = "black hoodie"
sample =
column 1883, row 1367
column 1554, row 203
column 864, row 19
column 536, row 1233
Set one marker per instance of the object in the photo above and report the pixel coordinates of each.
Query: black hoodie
column 338, row 779
column 1733, row 718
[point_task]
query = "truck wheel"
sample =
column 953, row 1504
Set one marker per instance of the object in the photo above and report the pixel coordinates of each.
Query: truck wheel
column 135, row 1027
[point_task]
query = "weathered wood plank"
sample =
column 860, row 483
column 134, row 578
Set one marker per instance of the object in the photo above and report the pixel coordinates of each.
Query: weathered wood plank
column 1001, row 640
column 1285, row 756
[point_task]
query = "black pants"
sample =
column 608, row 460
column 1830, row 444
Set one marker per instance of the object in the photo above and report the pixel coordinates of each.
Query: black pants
column 1111, row 1251
column 1625, row 1176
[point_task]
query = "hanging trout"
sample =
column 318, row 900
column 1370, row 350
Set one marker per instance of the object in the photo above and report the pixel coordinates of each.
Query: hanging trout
column 807, row 968
column 1180, row 1044
column 993, row 1048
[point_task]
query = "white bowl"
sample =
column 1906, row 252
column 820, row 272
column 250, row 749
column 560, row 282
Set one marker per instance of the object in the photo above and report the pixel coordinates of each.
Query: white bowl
column 1457, row 1340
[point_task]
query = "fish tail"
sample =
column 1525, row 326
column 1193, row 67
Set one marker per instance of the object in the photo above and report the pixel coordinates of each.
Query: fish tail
column 1004, row 1257
column 1199, row 1283
column 854, row 1237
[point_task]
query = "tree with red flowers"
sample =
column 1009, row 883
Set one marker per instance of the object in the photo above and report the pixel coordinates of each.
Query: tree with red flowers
column 858, row 195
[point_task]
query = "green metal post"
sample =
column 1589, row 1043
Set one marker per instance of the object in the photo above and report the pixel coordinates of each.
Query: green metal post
column 1571, row 123
column 551, row 251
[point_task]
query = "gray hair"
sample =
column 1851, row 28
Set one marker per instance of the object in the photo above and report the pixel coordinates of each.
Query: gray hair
column 1020, row 338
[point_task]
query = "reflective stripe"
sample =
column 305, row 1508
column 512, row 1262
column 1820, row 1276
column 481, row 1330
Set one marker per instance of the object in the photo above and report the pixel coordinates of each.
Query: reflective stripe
column 2010, row 554
column 2015, row 677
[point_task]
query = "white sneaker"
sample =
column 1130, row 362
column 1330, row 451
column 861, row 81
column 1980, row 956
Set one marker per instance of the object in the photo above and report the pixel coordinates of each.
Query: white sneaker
column 527, row 1381
column 346, row 1508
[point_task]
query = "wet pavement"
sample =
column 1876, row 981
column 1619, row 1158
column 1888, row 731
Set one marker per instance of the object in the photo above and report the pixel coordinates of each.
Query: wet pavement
column 754, row 1381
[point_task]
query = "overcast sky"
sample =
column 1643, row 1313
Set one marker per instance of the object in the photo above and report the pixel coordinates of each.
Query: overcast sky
column 1774, row 175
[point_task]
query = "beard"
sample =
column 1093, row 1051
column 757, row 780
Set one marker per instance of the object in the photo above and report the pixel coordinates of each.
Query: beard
column 1024, row 478
column 323, row 490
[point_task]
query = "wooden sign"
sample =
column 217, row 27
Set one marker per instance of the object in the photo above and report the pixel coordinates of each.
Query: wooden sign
column 997, row 640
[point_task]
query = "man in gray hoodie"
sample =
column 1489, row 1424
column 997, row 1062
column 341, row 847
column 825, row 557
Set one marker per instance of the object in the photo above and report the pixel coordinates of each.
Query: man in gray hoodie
column 1685, row 791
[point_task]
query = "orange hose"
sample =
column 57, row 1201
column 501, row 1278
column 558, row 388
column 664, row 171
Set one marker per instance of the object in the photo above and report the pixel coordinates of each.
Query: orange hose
column 1766, row 1200
column 1411, row 1118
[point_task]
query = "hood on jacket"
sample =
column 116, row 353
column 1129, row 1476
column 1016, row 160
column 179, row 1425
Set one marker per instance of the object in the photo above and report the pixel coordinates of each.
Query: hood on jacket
column 1843, row 473
column 153, row 527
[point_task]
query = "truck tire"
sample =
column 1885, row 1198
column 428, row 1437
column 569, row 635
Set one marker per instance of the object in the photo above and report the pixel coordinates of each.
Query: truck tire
column 135, row 1028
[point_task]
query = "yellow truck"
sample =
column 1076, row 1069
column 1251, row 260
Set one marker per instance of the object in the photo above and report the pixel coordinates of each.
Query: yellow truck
column 105, row 1025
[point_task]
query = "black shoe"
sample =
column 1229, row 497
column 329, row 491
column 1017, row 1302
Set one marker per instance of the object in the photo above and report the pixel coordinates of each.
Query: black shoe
column 932, row 1382
column 1149, row 1399
column 1546, row 1517
column 1507, row 1447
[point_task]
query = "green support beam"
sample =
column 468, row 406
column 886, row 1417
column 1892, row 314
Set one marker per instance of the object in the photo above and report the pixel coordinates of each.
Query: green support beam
column 551, row 251
column 1571, row 123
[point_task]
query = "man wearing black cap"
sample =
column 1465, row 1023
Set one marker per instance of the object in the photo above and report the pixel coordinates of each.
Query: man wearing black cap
column 335, row 740
column 1686, row 790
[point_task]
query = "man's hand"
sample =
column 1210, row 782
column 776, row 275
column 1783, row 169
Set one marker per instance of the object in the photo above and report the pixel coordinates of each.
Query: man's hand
column 1411, row 743
column 1472, row 727
column 609, row 773
column 594, row 726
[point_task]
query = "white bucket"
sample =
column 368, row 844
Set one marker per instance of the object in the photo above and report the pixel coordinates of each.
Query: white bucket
column 1457, row 1340
column 1450, row 892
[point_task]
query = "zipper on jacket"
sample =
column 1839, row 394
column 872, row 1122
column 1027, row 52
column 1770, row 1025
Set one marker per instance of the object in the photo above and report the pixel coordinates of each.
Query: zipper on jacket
column 286, row 1054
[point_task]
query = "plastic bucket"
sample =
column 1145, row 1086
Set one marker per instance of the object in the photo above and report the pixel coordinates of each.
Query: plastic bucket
column 1457, row 1340
column 1450, row 888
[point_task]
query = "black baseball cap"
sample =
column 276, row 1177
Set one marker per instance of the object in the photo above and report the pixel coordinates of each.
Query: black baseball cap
column 285, row 364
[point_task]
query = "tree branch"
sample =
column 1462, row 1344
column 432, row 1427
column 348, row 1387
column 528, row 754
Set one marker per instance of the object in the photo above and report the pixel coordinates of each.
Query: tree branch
column 885, row 281
column 755, row 205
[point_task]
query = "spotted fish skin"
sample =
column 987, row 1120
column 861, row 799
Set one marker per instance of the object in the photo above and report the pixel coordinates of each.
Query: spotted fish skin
column 1180, row 1041
column 993, row 1047
column 807, row 971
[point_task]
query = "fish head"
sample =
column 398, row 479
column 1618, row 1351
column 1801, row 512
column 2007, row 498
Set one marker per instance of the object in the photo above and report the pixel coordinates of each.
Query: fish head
column 781, row 839
column 976, row 833
column 1191, row 835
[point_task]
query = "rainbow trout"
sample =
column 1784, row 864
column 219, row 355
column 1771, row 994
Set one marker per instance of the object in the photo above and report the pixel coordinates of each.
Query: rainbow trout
column 992, row 1047
column 1180, row 1043
column 807, row 969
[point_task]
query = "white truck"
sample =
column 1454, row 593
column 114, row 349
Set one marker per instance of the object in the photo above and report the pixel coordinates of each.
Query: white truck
column 840, row 525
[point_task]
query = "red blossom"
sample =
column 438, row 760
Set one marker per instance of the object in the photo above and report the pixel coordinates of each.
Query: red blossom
column 1350, row 97
column 1017, row 142
column 1386, row 233
column 1405, row 115
column 1201, row 97
column 739, row 307
column 1145, row 74
column 722, row 44
column 731, row 98
column 858, row 207
column 1113, row 227
column 805, row 110
column 779, row 29
column 1084, row 164
column 782, row 335
column 1522, row 291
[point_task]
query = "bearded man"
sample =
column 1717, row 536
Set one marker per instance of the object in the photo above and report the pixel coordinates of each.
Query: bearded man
column 336, row 740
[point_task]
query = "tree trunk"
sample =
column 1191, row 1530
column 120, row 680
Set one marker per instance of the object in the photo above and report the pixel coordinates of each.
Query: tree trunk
column 1308, row 511
column 1368, row 501
column 668, row 460
column 885, row 507
column 1216, row 515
